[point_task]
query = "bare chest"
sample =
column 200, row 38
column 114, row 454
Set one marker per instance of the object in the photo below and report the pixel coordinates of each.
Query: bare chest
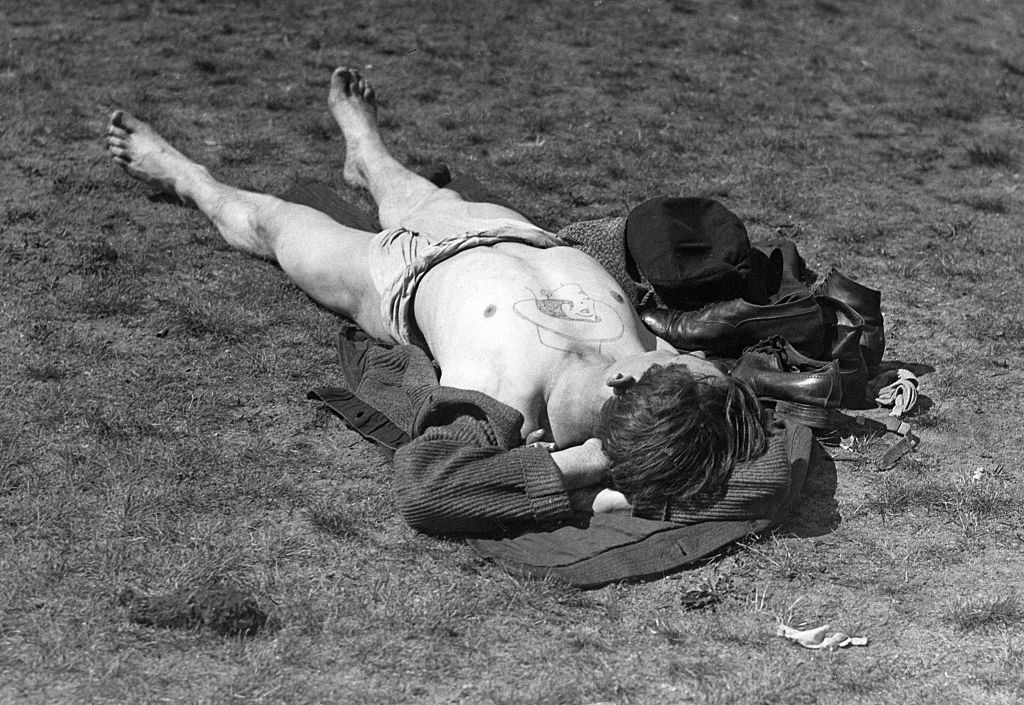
column 503, row 320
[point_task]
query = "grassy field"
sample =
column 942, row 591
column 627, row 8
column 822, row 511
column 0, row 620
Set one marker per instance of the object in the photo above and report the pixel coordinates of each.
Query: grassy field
column 154, row 431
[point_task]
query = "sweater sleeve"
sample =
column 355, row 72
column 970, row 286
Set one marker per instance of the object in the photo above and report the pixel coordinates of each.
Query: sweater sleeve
column 466, row 472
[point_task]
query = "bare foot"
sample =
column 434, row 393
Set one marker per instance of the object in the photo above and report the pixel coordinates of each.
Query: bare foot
column 148, row 157
column 353, row 105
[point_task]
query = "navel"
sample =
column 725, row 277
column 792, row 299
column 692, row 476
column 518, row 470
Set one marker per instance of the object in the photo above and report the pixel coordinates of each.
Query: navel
column 618, row 297
column 490, row 310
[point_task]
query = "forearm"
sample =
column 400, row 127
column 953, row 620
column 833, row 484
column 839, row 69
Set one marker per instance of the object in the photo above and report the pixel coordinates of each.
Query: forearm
column 582, row 466
column 575, row 474
column 446, row 487
column 584, row 470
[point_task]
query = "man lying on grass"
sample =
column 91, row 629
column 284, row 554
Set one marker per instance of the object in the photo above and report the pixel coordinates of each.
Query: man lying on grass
column 534, row 340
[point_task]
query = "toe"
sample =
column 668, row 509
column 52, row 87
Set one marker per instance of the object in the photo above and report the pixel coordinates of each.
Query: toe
column 355, row 82
column 125, row 122
column 342, row 79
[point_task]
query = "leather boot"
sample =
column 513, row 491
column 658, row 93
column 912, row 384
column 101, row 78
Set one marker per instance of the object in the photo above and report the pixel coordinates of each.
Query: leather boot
column 844, row 330
column 866, row 302
column 809, row 392
column 793, row 274
column 726, row 327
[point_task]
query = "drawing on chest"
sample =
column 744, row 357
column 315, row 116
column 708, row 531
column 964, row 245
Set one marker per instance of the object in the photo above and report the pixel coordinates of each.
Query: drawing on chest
column 566, row 316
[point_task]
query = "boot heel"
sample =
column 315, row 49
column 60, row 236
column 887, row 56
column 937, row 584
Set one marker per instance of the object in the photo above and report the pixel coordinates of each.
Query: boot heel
column 808, row 415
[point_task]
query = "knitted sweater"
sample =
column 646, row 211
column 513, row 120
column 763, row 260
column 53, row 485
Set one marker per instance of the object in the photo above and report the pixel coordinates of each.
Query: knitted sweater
column 461, row 467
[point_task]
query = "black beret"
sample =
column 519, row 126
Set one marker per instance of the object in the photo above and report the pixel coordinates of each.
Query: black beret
column 692, row 250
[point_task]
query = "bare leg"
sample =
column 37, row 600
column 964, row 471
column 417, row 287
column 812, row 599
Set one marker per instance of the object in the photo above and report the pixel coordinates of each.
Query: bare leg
column 404, row 199
column 325, row 259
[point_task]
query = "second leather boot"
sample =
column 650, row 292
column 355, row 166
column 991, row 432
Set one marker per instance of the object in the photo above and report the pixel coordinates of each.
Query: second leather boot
column 844, row 331
column 866, row 302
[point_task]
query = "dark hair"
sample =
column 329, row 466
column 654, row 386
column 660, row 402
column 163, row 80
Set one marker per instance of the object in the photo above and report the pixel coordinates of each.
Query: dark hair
column 675, row 436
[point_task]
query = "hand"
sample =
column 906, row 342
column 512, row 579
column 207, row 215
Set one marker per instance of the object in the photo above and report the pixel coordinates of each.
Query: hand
column 598, row 500
column 610, row 501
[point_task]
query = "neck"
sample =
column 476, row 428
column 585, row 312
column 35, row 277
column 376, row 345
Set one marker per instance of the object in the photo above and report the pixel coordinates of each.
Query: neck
column 574, row 402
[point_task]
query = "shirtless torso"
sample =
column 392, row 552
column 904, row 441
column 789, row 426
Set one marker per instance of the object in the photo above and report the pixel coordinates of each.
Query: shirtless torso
column 510, row 320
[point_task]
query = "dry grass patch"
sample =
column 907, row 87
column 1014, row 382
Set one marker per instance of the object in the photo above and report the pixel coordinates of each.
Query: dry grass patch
column 986, row 614
column 991, row 156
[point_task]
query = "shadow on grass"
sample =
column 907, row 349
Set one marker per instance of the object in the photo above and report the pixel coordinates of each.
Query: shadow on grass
column 217, row 605
column 817, row 513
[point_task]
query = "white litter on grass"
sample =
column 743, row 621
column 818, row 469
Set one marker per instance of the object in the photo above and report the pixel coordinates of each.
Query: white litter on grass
column 816, row 639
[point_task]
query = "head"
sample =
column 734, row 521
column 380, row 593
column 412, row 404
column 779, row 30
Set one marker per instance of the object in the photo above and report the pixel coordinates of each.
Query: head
column 677, row 432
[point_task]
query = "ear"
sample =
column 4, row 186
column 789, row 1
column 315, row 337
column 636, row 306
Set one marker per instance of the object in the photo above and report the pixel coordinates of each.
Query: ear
column 621, row 383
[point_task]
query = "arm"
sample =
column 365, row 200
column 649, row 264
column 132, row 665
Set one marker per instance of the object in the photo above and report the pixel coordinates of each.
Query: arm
column 585, row 470
column 465, row 472
column 584, row 465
